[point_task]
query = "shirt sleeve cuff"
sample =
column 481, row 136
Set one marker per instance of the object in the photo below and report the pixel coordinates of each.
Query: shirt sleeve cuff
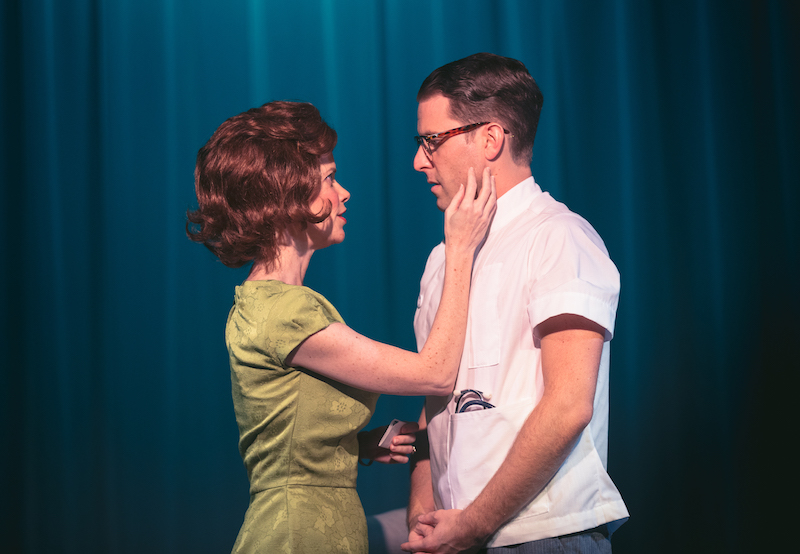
column 591, row 307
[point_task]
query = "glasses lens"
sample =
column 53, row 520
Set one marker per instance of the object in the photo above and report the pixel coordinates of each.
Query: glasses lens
column 422, row 141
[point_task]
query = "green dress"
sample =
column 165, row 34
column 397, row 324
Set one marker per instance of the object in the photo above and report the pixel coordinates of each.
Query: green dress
column 297, row 429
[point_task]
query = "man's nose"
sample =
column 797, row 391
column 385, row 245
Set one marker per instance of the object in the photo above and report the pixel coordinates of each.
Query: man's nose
column 421, row 160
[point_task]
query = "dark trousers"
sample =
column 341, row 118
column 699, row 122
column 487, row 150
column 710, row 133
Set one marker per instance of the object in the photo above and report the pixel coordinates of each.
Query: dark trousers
column 591, row 541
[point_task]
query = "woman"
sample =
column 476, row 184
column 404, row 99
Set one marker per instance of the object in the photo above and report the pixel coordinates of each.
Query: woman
column 303, row 382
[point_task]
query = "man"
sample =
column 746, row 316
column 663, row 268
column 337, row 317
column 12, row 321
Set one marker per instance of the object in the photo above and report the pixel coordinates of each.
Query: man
column 518, row 451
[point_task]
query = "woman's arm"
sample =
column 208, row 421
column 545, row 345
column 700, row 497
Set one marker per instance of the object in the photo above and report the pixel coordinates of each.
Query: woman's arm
column 342, row 354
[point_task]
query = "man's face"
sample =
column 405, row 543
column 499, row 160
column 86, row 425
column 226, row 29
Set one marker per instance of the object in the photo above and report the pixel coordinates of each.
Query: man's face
column 446, row 168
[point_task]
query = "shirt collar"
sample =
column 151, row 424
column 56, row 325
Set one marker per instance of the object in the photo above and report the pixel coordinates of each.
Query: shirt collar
column 514, row 202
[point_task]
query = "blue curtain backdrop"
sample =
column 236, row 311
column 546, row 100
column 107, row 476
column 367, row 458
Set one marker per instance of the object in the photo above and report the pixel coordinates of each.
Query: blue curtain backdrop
column 673, row 127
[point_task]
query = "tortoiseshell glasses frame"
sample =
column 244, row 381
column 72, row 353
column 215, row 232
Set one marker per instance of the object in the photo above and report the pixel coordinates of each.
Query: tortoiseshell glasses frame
column 430, row 143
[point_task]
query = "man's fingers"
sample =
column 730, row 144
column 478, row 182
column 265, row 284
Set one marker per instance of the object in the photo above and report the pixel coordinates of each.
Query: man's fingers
column 414, row 546
column 428, row 519
column 422, row 530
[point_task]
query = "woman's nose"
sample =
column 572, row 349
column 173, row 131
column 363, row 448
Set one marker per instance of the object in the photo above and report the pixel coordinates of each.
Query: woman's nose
column 344, row 194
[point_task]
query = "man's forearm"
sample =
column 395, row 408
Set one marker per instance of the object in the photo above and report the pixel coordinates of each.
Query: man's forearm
column 571, row 350
column 571, row 353
column 420, row 499
column 527, row 469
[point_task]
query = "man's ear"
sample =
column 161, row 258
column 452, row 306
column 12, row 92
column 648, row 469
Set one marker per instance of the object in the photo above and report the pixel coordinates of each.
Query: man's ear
column 495, row 139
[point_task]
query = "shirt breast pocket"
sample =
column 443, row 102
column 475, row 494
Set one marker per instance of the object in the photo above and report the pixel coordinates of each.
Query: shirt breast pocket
column 479, row 443
column 484, row 318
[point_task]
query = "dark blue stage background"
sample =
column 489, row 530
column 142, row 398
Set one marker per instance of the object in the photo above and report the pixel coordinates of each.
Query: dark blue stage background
column 673, row 127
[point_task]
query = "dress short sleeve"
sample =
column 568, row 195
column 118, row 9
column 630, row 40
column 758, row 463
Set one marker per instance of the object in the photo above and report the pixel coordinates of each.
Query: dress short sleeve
column 269, row 319
column 298, row 314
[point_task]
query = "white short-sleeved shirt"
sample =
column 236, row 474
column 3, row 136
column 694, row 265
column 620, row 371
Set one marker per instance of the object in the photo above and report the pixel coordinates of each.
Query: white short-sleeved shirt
column 539, row 260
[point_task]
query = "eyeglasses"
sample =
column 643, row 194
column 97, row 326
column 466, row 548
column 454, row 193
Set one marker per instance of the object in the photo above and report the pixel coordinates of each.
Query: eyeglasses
column 430, row 143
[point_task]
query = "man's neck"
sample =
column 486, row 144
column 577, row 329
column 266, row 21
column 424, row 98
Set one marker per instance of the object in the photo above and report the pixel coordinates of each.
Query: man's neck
column 510, row 176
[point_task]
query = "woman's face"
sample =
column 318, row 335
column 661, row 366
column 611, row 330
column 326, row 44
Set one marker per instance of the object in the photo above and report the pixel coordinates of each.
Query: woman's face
column 330, row 231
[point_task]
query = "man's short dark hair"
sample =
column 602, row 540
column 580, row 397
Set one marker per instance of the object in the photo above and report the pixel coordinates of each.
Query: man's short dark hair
column 488, row 87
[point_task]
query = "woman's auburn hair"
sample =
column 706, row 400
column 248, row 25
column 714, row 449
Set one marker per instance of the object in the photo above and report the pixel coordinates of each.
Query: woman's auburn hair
column 255, row 178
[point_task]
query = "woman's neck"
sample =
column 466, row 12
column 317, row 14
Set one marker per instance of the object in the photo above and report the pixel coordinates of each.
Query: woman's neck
column 289, row 267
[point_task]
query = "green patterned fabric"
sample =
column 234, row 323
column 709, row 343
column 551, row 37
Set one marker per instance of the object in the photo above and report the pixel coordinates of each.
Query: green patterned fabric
column 297, row 429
